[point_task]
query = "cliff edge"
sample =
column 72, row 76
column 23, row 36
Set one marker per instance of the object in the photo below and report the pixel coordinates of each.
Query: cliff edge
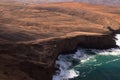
column 33, row 35
column 34, row 60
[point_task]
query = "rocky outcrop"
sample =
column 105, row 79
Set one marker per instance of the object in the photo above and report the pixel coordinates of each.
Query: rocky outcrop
column 33, row 35
column 34, row 60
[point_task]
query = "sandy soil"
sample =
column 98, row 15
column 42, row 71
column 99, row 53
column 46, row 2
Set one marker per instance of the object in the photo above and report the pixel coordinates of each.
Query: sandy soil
column 20, row 22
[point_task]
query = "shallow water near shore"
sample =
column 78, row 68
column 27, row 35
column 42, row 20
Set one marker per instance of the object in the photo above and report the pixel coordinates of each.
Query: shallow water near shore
column 90, row 64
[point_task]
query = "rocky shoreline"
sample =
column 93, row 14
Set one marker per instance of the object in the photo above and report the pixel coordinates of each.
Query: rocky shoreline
column 36, row 58
column 33, row 35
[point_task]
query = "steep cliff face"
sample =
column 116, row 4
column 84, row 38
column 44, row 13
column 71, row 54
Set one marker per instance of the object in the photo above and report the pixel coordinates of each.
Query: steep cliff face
column 35, row 60
column 32, row 36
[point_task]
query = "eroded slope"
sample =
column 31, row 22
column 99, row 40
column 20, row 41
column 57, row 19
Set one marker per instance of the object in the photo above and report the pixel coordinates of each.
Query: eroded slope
column 32, row 36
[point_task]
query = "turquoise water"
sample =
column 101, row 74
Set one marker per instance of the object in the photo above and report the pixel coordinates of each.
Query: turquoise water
column 90, row 64
column 99, row 67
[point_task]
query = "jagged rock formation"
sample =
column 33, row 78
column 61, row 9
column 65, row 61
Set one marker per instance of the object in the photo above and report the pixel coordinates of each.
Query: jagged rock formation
column 32, row 36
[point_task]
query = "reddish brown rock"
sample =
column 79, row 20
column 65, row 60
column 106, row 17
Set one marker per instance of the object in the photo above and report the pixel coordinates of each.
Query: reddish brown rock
column 32, row 36
column 35, row 60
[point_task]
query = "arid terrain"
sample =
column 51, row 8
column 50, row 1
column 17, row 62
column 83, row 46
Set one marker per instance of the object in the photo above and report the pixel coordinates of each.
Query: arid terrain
column 31, row 22
column 33, row 35
column 103, row 2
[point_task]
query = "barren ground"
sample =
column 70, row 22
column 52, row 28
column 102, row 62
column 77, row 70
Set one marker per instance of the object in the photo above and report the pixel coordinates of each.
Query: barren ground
column 19, row 22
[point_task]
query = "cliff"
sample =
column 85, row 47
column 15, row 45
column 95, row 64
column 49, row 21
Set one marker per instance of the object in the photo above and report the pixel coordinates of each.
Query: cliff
column 32, row 36
column 34, row 60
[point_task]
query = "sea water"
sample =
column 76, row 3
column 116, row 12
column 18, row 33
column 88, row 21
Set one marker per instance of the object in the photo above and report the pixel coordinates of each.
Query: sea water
column 89, row 64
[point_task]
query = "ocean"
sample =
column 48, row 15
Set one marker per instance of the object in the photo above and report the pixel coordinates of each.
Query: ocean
column 89, row 64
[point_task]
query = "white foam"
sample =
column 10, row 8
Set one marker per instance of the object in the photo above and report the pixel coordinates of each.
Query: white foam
column 80, row 55
column 118, row 39
column 66, row 75
column 112, row 52
column 65, row 61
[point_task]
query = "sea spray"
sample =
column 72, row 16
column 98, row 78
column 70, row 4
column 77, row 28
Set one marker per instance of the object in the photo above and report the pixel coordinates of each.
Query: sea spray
column 83, row 64
column 65, row 63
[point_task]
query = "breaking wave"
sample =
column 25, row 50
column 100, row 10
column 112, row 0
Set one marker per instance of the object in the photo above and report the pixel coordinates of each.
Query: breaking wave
column 68, row 64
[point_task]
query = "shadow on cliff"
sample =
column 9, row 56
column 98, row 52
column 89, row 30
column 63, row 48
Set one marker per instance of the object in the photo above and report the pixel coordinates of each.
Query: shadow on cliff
column 113, row 32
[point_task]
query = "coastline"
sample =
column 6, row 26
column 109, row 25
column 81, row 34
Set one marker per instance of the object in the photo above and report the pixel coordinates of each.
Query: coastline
column 32, row 36
column 37, row 58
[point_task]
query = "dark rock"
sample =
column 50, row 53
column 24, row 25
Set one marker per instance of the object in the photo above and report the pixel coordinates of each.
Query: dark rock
column 36, row 59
